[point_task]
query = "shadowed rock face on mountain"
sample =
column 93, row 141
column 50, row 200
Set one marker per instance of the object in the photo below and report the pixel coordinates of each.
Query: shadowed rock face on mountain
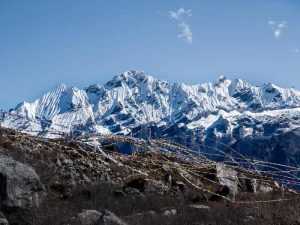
column 248, row 118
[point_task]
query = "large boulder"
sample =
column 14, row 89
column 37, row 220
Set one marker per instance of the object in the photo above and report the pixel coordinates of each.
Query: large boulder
column 89, row 217
column 3, row 220
column 20, row 186
column 109, row 218
column 236, row 182
column 228, row 177
column 94, row 217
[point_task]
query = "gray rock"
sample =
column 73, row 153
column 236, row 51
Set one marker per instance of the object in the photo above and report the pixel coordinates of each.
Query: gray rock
column 228, row 177
column 195, row 206
column 94, row 217
column 109, row 218
column 170, row 212
column 240, row 183
column 89, row 217
column 20, row 186
column 261, row 187
column 3, row 220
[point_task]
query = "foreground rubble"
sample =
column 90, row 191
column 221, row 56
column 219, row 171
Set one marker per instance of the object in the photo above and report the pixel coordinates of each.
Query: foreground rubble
column 67, row 182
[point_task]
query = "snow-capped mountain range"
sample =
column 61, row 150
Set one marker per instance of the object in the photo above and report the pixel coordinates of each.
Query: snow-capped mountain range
column 134, row 98
column 259, row 121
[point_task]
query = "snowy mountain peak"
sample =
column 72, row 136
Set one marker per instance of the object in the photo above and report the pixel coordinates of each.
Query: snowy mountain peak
column 61, row 87
column 134, row 98
column 130, row 78
column 238, row 85
column 222, row 79
column 134, row 74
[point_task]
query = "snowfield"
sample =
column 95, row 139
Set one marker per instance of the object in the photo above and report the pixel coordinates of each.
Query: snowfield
column 133, row 99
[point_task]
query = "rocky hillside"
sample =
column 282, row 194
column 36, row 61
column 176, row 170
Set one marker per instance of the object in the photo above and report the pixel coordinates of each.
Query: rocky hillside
column 64, row 181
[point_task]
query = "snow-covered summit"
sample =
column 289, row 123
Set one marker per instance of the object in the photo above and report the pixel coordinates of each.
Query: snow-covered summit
column 134, row 98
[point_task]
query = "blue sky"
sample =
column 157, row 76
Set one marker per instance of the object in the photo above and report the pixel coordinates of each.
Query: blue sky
column 44, row 43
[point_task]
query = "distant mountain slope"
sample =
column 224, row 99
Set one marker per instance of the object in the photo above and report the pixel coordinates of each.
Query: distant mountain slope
column 235, row 113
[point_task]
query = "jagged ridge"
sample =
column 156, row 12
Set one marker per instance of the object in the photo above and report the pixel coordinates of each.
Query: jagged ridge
column 134, row 98
column 258, row 121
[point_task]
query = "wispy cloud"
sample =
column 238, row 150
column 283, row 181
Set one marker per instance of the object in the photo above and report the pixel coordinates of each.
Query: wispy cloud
column 180, row 16
column 185, row 32
column 277, row 27
column 296, row 50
